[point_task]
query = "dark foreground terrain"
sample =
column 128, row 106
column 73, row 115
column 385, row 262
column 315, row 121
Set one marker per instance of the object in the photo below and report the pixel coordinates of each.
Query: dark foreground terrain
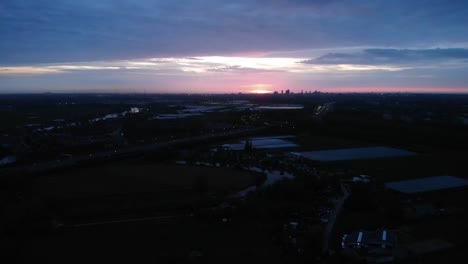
column 151, row 179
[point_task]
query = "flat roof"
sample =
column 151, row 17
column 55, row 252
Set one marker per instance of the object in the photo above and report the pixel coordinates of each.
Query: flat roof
column 427, row 184
column 355, row 153
column 270, row 142
column 370, row 237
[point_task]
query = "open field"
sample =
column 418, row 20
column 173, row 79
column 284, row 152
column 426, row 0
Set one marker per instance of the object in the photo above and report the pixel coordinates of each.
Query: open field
column 155, row 242
column 113, row 190
column 113, row 178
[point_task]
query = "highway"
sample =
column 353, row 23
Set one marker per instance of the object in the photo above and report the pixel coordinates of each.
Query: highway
column 338, row 205
column 129, row 151
column 322, row 110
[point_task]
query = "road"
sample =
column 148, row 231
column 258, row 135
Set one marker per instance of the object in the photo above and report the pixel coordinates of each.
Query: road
column 338, row 205
column 129, row 151
column 322, row 110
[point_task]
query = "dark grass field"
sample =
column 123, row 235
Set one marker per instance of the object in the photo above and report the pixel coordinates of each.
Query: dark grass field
column 155, row 242
column 133, row 189
column 165, row 240
column 150, row 241
column 126, row 178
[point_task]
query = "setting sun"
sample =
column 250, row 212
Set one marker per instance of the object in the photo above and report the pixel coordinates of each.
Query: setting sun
column 260, row 91
column 259, row 88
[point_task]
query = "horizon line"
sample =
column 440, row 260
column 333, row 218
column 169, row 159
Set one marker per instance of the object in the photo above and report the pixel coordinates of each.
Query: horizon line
column 232, row 93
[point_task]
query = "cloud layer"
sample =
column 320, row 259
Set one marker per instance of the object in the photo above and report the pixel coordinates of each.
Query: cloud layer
column 394, row 57
column 88, row 30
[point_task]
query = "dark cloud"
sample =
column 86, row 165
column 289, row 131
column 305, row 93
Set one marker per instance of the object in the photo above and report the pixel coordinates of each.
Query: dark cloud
column 393, row 56
column 87, row 30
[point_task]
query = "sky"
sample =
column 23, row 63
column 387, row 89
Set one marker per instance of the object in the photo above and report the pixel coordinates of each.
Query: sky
column 216, row 46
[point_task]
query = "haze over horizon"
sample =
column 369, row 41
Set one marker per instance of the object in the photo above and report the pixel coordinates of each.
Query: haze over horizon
column 223, row 47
